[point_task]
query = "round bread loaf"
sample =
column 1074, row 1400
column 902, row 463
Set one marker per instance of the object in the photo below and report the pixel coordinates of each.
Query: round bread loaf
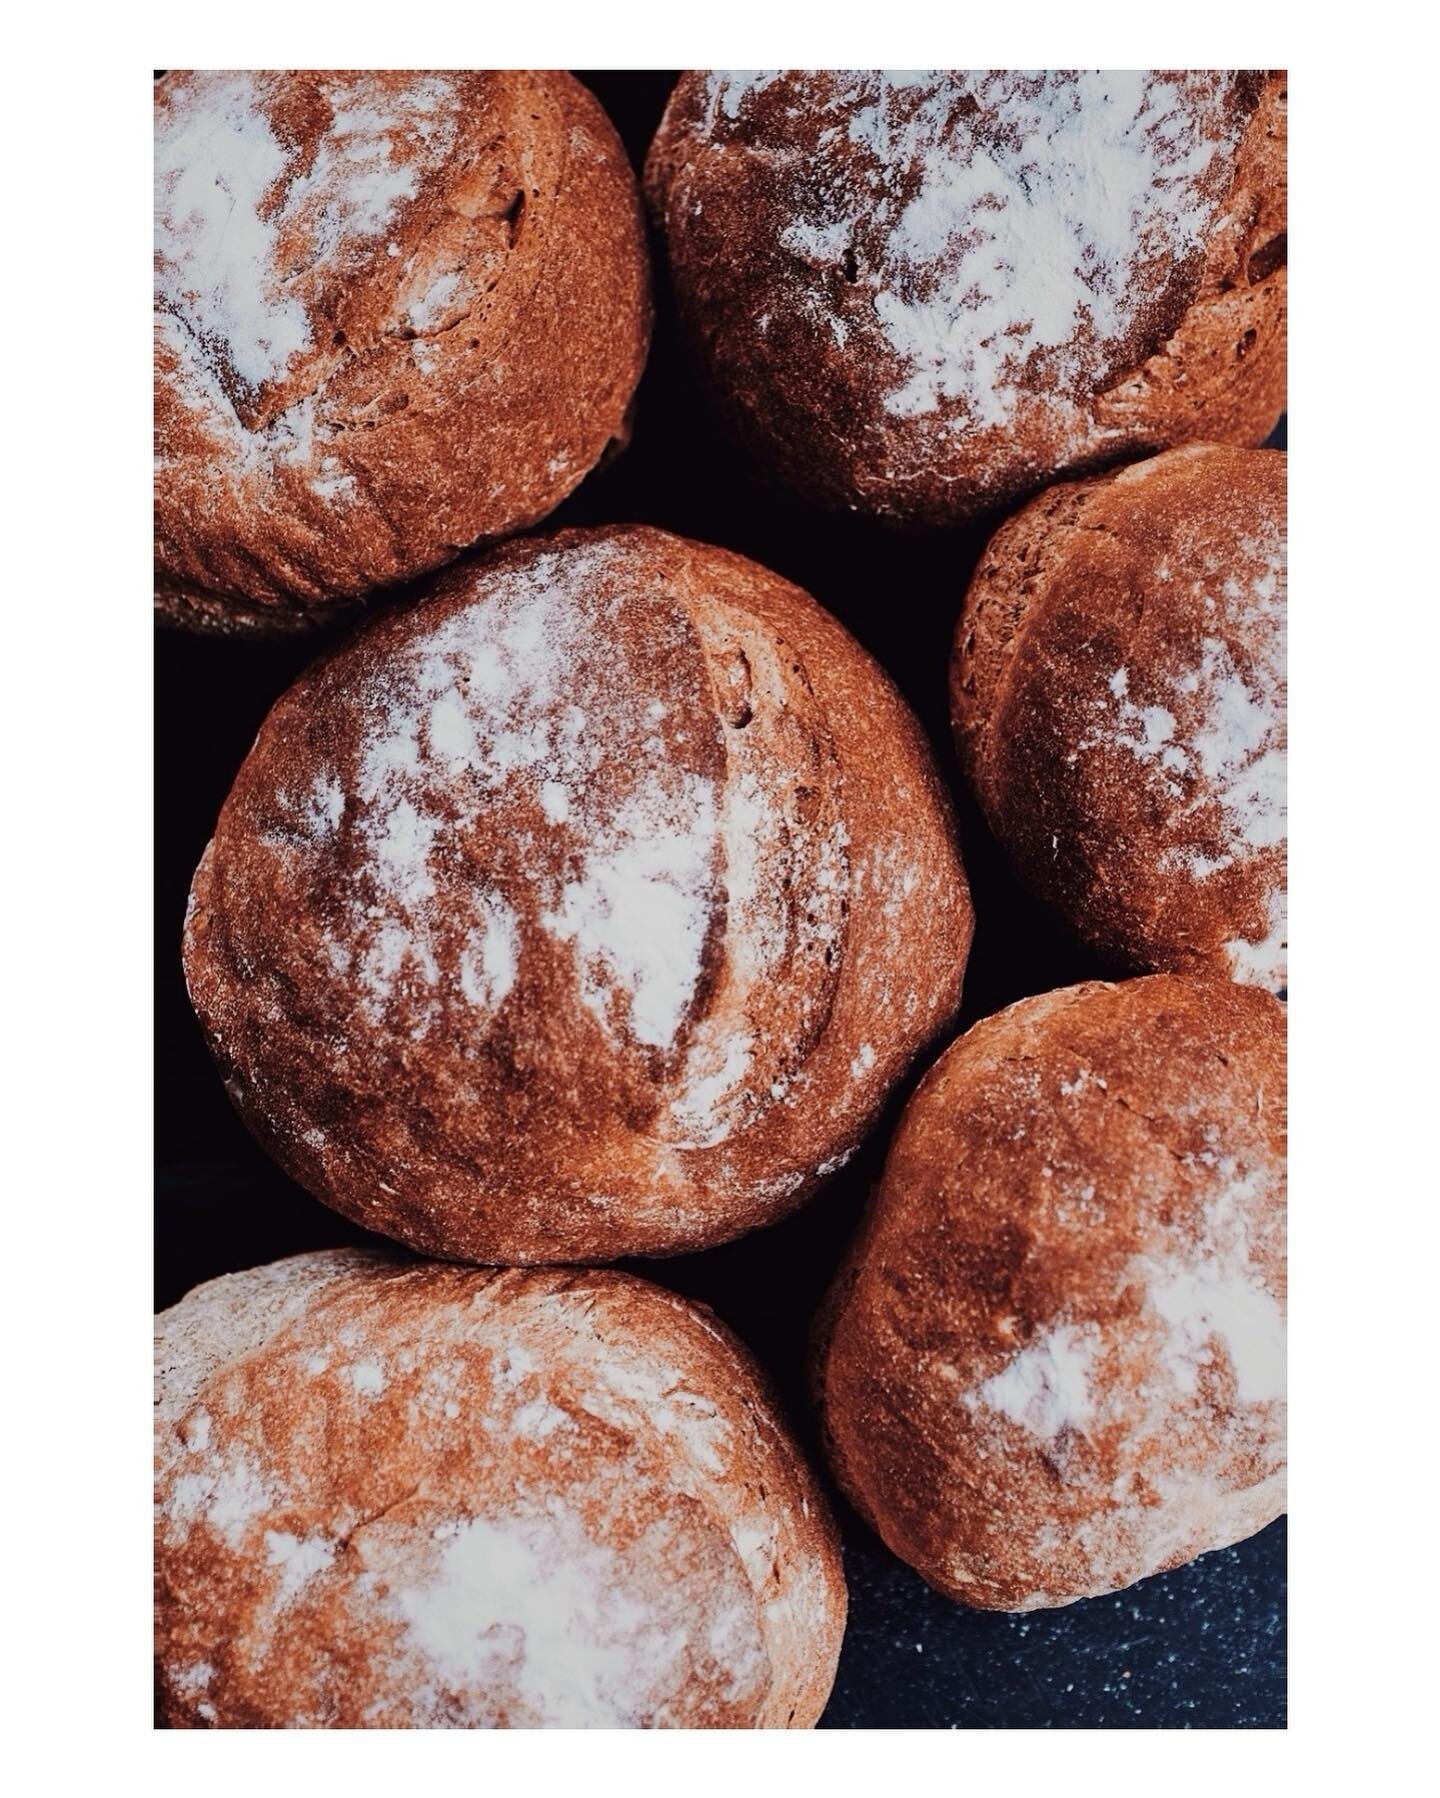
column 919, row 295
column 396, row 311
column 402, row 1495
column 1054, row 1361
column 589, row 908
column 1118, row 691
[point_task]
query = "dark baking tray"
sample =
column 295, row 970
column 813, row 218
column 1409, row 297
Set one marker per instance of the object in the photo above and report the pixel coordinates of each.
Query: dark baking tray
column 1202, row 1647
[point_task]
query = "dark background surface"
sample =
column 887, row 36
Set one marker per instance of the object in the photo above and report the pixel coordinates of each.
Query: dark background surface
column 1204, row 1646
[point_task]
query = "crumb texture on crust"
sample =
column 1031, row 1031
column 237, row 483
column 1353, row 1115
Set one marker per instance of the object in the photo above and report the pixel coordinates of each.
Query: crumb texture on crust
column 401, row 1495
column 589, row 908
column 1119, row 697
column 1054, row 1361
column 395, row 312
column 920, row 294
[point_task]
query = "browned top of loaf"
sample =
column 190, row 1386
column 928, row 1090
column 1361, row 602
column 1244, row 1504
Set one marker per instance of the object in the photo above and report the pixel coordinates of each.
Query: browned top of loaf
column 922, row 294
column 396, row 311
column 401, row 1495
column 1119, row 700
column 1053, row 1362
column 589, row 908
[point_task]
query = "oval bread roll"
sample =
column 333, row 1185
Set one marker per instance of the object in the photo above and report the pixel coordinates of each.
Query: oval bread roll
column 1054, row 1361
column 589, row 908
column 396, row 311
column 920, row 294
column 401, row 1495
column 1118, row 690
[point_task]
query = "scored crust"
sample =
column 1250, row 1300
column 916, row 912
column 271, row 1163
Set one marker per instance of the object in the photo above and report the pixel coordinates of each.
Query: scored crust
column 922, row 295
column 402, row 1495
column 1053, row 1362
column 397, row 312
column 1118, row 692
column 589, row 908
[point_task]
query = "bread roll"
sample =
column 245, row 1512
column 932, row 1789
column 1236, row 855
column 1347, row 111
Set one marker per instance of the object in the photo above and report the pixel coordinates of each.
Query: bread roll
column 921, row 294
column 1054, row 1360
column 1118, row 690
column 402, row 1495
column 589, row 908
column 396, row 311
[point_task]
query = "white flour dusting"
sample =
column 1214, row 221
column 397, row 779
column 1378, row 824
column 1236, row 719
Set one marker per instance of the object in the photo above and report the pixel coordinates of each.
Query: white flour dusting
column 1215, row 733
column 1237, row 745
column 230, row 1497
column 730, row 89
column 368, row 1378
column 1148, row 732
column 436, row 302
column 639, row 912
column 1264, row 962
column 1212, row 1301
column 1024, row 219
column 631, row 1390
column 1013, row 245
column 231, row 201
column 530, row 1605
column 215, row 163
column 1208, row 1304
column 490, row 958
column 475, row 712
column 1046, row 1388
column 299, row 1559
column 716, row 1065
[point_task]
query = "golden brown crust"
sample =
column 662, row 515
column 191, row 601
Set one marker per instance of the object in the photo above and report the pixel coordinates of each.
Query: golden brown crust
column 1053, row 1363
column 402, row 1495
column 877, row 327
column 397, row 312
column 1118, row 693
column 589, row 908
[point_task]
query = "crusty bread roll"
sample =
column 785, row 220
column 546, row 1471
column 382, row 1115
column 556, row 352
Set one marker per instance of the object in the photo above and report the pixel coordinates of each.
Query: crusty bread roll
column 1118, row 690
column 402, row 1495
column 919, row 295
column 1054, row 1360
column 396, row 311
column 589, row 908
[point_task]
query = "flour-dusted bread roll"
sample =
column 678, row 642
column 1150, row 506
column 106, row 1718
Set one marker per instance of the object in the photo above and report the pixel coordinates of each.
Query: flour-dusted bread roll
column 589, row 908
column 921, row 294
column 1118, row 690
column 1054, row 1361
column 402, row 1495
column 396, row 311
